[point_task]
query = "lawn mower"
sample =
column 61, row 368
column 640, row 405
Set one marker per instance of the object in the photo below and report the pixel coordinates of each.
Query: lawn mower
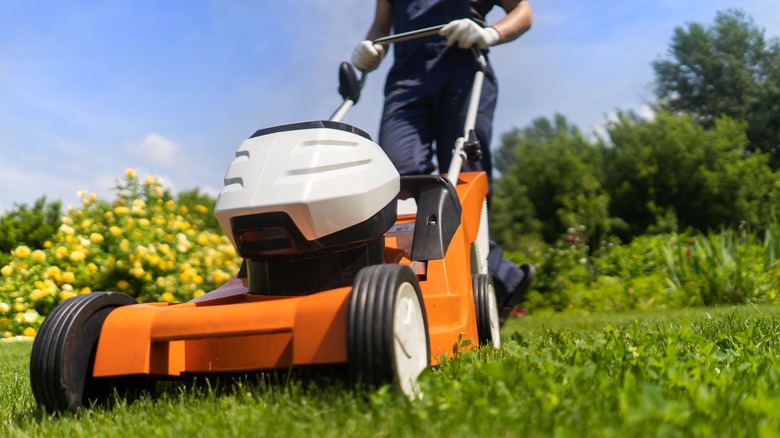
column 346, row 263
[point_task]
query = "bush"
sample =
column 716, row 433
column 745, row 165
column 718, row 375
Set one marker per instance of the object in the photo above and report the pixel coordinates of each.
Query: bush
column 29, row 226
column 662, row 271
column 140, row 243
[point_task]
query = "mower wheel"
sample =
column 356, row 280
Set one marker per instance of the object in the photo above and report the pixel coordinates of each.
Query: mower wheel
column 387, row 329
column 488, row 326
column 63, row 353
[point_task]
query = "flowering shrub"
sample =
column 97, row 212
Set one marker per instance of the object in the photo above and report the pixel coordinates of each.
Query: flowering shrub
column 142, row 243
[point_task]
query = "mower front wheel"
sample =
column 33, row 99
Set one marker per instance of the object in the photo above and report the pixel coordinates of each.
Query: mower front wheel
column 63, row 353
column 488, row 325
column 387, row 329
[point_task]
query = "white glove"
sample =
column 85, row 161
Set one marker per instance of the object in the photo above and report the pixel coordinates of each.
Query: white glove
column 367, row 56
column 468, row 33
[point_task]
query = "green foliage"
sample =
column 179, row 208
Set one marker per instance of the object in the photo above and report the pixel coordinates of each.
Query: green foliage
column 31, row 226
column 142, row 243
column 192, row 199
column 550, row 182
column 655, row 271
column 729, row 267
column 703, row 163
column 671, row 172
column 728, row 68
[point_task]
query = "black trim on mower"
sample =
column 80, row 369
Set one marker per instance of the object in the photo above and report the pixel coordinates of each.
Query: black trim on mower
column 438, row 214
column 274, row 235
column 316, row 124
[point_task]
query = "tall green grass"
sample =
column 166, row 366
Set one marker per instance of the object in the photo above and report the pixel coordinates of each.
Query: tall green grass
column 663, row 271
column 695, row 372
column 730, row 267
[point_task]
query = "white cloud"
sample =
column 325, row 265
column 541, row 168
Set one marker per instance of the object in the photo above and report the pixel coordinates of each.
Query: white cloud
column 156, row 149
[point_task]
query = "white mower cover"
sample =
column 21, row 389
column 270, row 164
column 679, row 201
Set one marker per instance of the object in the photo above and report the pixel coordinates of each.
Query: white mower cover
column 325, row 179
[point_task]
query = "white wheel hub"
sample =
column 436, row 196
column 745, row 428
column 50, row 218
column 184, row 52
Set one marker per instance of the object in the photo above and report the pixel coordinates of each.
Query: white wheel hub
column 409, row 339
column 495, row 327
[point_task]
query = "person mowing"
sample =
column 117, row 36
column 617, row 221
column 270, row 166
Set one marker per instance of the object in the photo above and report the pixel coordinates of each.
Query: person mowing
column 427, row 92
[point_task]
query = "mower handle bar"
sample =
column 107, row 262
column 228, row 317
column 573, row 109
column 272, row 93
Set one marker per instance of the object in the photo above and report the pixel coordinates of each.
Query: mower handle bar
column 459, row 155
column 405, row 36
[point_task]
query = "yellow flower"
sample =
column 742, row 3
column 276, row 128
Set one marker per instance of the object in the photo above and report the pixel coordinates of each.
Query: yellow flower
column 77, row 256
column 143, row 222
column 198, row 293
column 121, row 210
column 47, row 244
column 64, row 295
column 53, row 272
column 150, row 180
column 96, row 238
column 168, row 297
column 30, row 316
column 7, row 334
column 115, row 231
column 36, row 295
column 137, row 272
column 68, row 277
column 4, row 308
column 91, row 267
column 38, row 256
column 122, row 285
column 61, row 252
column 220, row 276
column 130, row 172
column 85, row 290
column 22, row 251
column 29, row 331
column 7, row 270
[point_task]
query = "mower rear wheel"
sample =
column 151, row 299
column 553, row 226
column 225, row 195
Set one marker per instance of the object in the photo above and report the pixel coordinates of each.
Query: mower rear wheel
column 63, row 353
column 387, row 329
column 486, row 306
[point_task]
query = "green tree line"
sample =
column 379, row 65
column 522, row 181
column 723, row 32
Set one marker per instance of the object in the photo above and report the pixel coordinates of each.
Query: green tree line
column 707, row 160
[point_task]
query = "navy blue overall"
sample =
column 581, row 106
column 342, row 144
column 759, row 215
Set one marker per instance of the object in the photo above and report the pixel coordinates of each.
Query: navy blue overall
column 426, row 100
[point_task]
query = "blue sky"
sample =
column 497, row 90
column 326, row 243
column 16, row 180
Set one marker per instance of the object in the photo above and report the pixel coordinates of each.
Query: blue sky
column 171, row 88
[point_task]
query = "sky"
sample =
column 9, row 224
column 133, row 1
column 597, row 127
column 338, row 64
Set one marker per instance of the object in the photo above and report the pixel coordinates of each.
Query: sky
column 170, row 88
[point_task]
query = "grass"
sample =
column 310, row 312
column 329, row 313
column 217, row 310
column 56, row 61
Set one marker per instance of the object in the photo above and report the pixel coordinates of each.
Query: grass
column 694, row 372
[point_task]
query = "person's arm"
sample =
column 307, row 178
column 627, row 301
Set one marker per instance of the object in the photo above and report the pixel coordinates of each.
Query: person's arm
column 383, row 20
column 517, row 21
column 466, row 32
column 367, row 55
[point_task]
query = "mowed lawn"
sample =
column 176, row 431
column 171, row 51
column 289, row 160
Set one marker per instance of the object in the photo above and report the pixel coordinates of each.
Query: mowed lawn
column 694, row 372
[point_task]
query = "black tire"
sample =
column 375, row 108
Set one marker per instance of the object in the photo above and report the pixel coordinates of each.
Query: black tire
column 63, row 353
column 387, row 329
column 486, row 307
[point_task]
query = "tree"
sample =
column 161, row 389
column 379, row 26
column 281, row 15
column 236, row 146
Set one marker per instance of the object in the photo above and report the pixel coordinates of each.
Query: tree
column 672, row 172
column 550, row 182
column 729, row 68
column 31, row 226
